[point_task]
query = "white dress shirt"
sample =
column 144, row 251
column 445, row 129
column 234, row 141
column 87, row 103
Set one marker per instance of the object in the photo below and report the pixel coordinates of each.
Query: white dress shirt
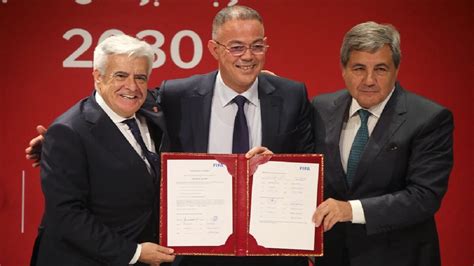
column 127, row 133
column 349, row 130
column 223, row 113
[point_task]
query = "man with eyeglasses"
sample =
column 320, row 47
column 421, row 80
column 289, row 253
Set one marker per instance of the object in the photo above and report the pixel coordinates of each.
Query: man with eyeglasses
column 203, row 112
column 200, row 110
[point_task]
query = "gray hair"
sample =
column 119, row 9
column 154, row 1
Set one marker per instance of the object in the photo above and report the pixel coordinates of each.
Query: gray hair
column 369, row 37
column 231, row 13
column 121, row 45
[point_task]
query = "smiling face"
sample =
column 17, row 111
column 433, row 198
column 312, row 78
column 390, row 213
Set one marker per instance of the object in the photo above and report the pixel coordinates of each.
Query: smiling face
column 123, row 86
column 238, row 72
column 370, row 77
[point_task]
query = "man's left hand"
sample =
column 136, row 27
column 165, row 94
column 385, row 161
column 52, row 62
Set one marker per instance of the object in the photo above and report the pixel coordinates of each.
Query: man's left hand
column 256, row 151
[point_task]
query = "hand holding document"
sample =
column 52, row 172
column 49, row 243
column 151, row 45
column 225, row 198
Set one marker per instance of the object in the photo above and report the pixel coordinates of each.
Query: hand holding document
column 283, row 201
column 215, row 204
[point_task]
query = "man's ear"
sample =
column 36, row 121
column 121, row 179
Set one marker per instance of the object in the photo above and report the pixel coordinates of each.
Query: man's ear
column 343, row 71
column 212, row 46
column 97, row 76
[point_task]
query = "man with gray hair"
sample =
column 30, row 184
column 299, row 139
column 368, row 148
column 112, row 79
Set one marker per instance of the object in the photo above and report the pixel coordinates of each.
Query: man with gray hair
column 388, row 155
column 99, row 170
column 234, row 109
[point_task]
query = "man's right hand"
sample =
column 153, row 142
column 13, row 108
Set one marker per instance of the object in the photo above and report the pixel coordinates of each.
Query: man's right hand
column 154, row 254
column 330, row 212
column 33, row 152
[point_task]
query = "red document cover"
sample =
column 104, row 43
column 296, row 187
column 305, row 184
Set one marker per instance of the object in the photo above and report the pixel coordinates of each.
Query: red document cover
column 240, row 242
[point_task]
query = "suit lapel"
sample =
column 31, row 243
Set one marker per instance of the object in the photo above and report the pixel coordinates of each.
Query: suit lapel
column 157, row 119
column 197, row 108
column 270, row 109
column 109, row 136
column 393, row 116
column 156, row 126
column 151, row 111
column 333, row 133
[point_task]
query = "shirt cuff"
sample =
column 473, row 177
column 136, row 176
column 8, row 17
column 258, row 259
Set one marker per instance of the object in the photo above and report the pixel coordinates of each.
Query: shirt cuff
column 137, row 254
column 358, row 216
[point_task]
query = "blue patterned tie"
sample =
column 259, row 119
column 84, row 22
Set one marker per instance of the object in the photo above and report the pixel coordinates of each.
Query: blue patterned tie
column 152, row 158
column 240, row 140
column 358, row 145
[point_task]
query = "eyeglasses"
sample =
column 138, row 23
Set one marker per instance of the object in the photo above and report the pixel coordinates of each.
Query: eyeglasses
column 239, row 49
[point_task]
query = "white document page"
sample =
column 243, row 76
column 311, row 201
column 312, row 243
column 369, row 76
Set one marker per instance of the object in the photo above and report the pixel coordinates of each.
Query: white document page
column 199, row 203
column 283, row 203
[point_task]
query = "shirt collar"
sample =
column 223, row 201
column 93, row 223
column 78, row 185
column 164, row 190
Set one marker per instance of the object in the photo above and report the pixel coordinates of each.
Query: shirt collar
column 226, row 94
column 375, row 110
column 116, row 118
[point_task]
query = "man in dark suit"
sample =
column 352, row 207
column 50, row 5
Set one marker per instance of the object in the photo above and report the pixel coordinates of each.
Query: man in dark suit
column 388, row 158
column 98, row 174
column 200, row 111
column 188, row 105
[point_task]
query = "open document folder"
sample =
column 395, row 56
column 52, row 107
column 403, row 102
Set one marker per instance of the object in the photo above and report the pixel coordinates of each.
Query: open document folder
column 225, row 204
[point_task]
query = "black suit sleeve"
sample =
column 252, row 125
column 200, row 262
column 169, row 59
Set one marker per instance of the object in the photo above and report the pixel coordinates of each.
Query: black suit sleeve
column 65, row 184
column 305, row 139
column 319, row 129
column 429, row 162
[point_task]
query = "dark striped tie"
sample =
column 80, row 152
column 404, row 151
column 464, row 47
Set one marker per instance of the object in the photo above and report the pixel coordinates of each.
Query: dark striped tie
column 152, row 158
column 358, row 145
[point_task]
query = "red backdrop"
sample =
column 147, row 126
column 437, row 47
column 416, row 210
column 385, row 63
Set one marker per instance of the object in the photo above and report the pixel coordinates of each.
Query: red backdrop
column 46, row 48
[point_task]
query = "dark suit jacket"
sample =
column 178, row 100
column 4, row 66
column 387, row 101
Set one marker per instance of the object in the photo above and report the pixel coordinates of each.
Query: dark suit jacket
column 401, row 179
column 285, row 112
column 100, row 198
column 286, row 128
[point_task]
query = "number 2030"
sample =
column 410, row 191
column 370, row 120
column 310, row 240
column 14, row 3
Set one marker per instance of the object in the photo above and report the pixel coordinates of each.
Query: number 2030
column 160, row 56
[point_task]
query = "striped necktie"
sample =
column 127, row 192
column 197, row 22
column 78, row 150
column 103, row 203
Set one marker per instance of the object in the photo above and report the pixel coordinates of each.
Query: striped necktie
column 152, row 158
